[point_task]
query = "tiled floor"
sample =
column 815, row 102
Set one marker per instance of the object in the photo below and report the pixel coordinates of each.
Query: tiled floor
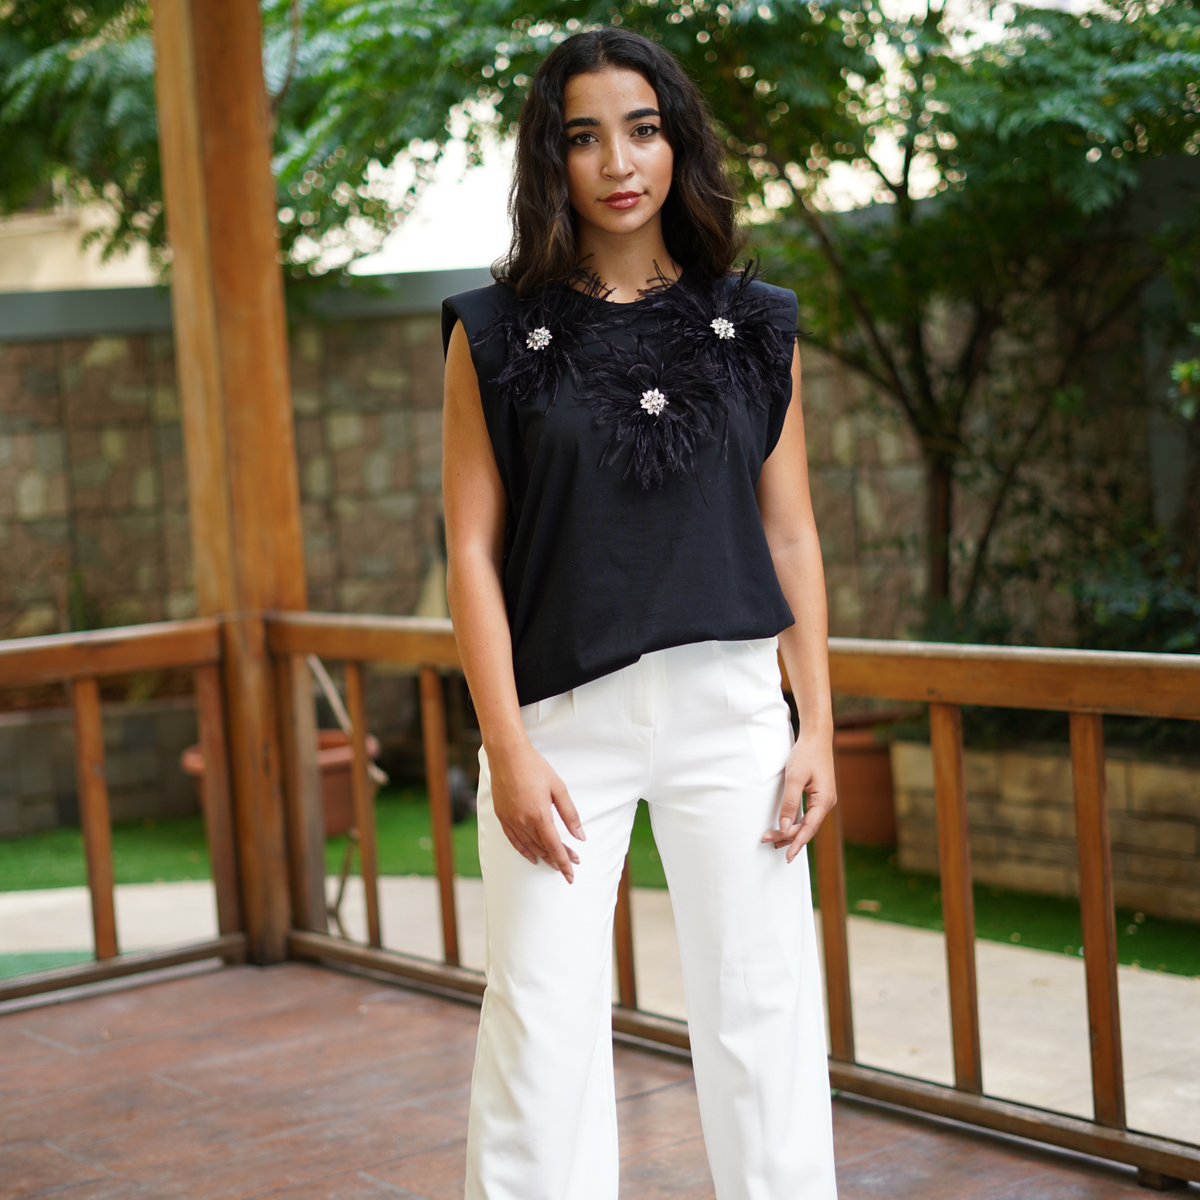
column 305, row 1084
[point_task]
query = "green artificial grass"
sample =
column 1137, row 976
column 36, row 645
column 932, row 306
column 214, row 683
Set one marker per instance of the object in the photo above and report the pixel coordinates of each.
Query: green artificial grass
column 876, row 887
column 174, row 848
column 162, row 848
column 26, row 964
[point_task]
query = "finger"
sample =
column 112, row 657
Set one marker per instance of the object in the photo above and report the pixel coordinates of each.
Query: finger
column 809, row 826
column 566, row 809
column 558, row 856
column 793, row 794
column 518, row 843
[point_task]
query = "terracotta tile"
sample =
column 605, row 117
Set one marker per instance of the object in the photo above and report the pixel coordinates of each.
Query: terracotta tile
column 18, row 1049
column 351, row 1185
column 1080, row 1183
column 115, row 1104
column 936, row 1165
column 658, row 1119
column 638, row 1071
column 33, row 1168
column 437, row 1174
column 455, row 1101
column 304, row 1155
column 671, row 1173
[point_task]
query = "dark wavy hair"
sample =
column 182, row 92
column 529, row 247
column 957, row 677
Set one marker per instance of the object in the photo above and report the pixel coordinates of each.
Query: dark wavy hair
column 699, row 214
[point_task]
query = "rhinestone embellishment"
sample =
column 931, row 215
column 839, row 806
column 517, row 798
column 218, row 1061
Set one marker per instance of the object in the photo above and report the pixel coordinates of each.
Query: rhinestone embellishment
column 539, row 339
column 723, row 328
column 653, row 401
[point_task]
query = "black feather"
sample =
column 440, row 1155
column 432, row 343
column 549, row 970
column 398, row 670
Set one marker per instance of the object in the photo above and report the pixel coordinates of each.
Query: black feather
column 531, row 370
column 660, row 443
column 755, row 362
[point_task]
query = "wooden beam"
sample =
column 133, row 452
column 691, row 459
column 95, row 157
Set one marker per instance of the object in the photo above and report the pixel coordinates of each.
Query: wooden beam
column 831, row 893
column 441, row 816
column 216, row 800
column 1171, row 1158
column 1098, row 918
column 958, row 902
column 323, row 947
column 302, row 793
column 1152, row 685
column 25, row 662
column 409, row 640
column 93, row 813
column 623, row 940
column 364, row 800
column 231, row 947
column 231, row 347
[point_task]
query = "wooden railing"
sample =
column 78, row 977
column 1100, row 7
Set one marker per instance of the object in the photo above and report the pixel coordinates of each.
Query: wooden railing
column 1086, row 685
column 78, row 661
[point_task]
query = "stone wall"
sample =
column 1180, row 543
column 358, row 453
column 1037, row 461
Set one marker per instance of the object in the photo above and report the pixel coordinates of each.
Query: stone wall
column 1022, row 820
column 142, row 745
column 93, row 492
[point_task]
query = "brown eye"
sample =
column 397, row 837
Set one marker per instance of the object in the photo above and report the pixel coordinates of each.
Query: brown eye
column 645, row 130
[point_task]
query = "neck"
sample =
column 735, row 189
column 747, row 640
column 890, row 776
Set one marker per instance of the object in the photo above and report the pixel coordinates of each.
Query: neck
column 627, row 263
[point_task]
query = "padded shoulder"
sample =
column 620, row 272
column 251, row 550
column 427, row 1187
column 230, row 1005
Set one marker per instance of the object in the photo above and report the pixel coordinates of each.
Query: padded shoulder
column 475, row 309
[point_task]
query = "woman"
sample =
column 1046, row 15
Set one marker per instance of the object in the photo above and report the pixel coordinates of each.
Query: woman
column 630, row 541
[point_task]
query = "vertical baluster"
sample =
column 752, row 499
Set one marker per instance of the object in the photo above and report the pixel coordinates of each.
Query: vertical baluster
column 215, row 798
column 433, row 724
column 93, row 812
column 364, row 800
column 958, row 903
column 831, row 895
column 1098, row 918
column 623, row 941
column 303, row 805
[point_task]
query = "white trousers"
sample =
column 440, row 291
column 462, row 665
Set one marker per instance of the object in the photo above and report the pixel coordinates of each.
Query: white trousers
column 702, row 733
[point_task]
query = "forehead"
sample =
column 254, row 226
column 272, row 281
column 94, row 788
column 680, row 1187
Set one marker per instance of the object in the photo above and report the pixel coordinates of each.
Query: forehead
column 607, row 95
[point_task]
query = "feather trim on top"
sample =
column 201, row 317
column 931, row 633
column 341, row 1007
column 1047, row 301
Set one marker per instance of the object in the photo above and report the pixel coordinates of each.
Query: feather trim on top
column 659, row 409
column 732, row 329
column 542, row 337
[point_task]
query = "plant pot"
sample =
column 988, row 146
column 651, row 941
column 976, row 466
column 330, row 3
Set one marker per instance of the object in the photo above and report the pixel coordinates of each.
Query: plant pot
column 335, row 757
column 864, row 783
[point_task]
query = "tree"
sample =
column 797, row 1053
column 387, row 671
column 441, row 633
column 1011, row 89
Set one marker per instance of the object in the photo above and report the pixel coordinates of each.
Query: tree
column 974, row 295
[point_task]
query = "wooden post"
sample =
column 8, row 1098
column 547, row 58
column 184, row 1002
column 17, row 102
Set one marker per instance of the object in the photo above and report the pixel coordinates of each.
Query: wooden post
column 93, row 812
column 437, row 780
column 302, row 793
column 958, row 901
column 364, row 800
column 218, row 815
column 231, row 349
column 831, row 894
column 1098, row 918
column 623, row 941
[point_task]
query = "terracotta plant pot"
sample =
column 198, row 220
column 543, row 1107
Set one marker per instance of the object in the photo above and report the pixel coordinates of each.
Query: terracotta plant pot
column 335, row 758
column 864, row 782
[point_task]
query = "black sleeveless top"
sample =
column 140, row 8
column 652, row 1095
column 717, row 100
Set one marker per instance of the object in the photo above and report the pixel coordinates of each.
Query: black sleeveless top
column 630, row 439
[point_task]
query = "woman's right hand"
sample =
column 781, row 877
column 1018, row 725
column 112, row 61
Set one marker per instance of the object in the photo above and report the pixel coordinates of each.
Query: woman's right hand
column 525, row 792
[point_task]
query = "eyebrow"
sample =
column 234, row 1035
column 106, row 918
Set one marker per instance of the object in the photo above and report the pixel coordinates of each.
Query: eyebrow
column 636, row 115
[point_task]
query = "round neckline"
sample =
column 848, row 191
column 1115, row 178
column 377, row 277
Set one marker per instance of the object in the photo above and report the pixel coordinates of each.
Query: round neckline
column 649, row 295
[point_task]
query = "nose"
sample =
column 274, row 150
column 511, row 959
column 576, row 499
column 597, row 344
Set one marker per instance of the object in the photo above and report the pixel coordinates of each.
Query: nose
column 616, row 164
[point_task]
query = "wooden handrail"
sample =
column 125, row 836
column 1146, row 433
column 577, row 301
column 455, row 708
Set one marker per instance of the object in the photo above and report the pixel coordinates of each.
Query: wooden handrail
column 25, row 662
column 1094, row 681
column 411, row 640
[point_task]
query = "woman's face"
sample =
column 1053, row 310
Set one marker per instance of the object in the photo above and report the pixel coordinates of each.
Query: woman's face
column 619, row 163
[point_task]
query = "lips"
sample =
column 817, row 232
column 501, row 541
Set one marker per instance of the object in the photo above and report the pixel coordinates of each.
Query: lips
column 622, row 199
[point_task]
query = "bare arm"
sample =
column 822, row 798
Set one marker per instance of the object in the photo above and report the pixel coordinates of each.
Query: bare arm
column 786, row 508
column 524, row 786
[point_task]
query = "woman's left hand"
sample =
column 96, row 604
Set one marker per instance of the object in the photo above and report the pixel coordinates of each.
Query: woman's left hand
column 809, row 774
